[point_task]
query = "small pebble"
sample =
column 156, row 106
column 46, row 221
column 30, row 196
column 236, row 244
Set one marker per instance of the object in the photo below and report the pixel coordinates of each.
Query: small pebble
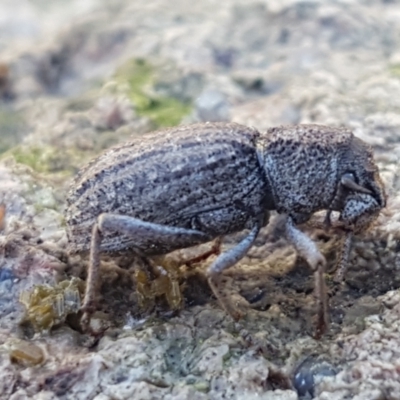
column 25, row 353
column 309, row 372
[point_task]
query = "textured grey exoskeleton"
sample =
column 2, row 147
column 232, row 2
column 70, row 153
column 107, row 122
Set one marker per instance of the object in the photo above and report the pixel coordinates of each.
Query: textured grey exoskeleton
column 188, row 185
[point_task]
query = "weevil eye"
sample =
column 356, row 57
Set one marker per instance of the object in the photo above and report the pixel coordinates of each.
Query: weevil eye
column 349, row 176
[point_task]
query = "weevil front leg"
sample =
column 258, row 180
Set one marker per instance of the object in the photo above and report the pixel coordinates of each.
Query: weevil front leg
column 227, row 260
column 359, row 212
column 92, row 278
column 343, row 259
column 145, row 235
column 306, row 248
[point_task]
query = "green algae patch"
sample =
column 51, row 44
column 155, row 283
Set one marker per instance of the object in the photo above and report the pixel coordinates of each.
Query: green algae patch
column 49, row 159
column 167, row 111
column 34, row 158
column 141, row 79
column 395, row 70
column 43, row 159
column 12, row 129
column 63, row 160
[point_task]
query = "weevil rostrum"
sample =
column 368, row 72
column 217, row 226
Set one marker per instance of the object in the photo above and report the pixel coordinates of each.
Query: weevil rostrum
column 188, row 185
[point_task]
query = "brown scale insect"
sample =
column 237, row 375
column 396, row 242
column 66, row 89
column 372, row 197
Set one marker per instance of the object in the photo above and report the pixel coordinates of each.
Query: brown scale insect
column 187, row 185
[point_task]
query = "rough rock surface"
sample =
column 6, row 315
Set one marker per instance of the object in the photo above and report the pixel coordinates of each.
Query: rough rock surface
column 75, row 80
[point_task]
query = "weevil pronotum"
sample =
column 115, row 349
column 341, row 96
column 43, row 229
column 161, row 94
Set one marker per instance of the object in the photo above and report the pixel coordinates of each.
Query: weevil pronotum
column 187, row 185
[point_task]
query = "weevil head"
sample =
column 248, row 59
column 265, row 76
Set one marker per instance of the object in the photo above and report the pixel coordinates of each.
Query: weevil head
column 364, row 191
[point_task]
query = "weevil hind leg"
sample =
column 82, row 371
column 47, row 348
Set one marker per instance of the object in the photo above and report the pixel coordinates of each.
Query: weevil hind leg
column 150, row 237
column 145, row 233
column 227, row 260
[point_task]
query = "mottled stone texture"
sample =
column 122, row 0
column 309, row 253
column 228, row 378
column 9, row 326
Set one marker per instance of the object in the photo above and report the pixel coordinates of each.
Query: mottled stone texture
column 74, row 81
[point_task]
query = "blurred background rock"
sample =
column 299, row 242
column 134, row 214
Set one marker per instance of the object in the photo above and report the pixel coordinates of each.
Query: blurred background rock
column 79, row 76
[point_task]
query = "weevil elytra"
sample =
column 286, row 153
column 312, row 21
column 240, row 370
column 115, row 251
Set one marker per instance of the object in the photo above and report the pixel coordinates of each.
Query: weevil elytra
column 187, row 185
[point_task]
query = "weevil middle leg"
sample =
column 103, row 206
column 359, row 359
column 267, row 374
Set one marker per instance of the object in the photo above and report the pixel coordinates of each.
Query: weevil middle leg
column 227, row 260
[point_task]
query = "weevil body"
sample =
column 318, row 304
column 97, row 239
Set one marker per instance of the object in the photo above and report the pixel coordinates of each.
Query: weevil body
column 205, row 178
column 190, row 184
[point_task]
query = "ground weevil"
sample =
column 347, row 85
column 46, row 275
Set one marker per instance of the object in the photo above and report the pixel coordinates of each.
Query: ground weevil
column 187, row 185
